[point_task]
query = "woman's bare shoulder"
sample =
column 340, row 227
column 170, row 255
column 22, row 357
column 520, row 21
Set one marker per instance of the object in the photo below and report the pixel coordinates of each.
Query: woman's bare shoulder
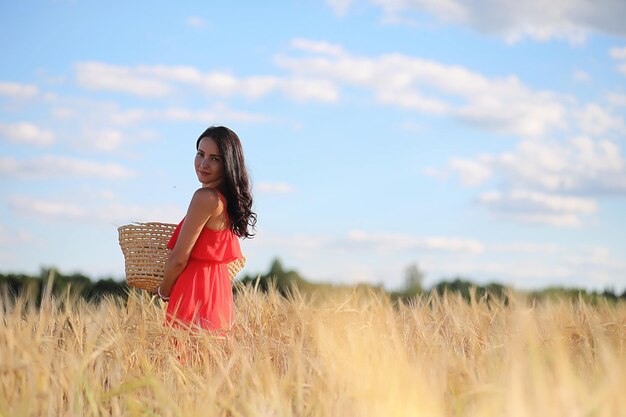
column 206, row 198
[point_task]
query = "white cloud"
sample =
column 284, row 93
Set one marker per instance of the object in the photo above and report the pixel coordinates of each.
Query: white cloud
column 412, row 127
column 266, row 245
column 18, row 91
column 10, row 237
column 442, row 174
column 599, row 267
column 581, row 165
column 303, row 89
column 63, row 113
column 357, row 240
column 303, row 244
column 340, row 6
column 138, row 81
column 123, row 213
column 25, row 133
column 129, row 117
column 104, row 140
column 618, row 53
column 50, row 166
column 580, row 75
column 107, row 115
column 274, row 187
column 215, row 83
column 412, row 100
column 594, row 257
column 536, row 207
column 578, row 166
column 531, row 201
column 106, row 195
column 318, row 47
column 394, row 241
column 512, row 20
column 7, row 257
column 216, row 113
column 161, row 81
column 596, row 121
column 452, row 244
column 616, row 99
column 92, row 114
column 525, row 247
column 547, row 182
column 504, row 105
column 59, row 210
column 508, row 107
column 196, row 22
column 48, row 209
column 470, row 172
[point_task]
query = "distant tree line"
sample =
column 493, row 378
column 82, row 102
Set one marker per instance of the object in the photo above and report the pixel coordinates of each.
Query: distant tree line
column 52, row 281
column 285, row 280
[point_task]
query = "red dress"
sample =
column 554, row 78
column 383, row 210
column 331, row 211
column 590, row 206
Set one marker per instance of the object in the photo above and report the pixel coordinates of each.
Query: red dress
column 202, row 295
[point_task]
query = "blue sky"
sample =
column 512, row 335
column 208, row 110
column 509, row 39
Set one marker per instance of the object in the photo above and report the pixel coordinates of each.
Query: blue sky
column 481, row 139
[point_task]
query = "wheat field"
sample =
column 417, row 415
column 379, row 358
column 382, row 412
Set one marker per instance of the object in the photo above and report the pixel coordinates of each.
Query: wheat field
column 349, row 353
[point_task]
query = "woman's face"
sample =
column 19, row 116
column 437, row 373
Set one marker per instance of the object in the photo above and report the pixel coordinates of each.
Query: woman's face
column 209, row 163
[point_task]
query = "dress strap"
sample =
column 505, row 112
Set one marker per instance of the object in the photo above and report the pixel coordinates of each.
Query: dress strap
column 221, row 197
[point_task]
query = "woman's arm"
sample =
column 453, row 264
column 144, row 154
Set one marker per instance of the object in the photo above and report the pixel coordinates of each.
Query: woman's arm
column 204, row 203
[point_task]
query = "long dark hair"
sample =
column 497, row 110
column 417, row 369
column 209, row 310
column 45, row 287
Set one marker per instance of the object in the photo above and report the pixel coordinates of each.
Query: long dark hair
column 236, row 186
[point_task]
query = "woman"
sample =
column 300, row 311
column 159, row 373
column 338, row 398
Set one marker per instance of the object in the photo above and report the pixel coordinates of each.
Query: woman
column 196, row 282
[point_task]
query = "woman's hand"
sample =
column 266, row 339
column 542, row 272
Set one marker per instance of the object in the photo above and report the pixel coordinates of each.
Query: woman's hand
column 160, row 293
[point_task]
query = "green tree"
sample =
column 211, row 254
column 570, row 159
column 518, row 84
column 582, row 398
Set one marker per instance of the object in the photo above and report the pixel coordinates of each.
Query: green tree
column 413, row 280
column 283, row 280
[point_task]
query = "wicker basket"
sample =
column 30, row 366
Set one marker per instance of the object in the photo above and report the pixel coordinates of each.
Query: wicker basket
column 145, row 252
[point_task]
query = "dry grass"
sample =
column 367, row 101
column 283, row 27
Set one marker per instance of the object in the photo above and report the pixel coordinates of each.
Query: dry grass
column 350, row 354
